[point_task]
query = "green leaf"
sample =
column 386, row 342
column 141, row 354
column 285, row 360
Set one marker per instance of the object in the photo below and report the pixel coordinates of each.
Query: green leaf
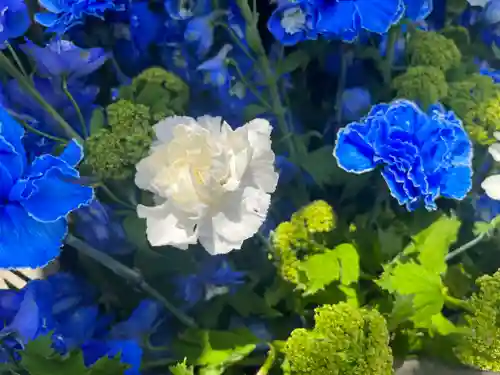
column 426, row 288
column 293, row 61
column 442, row 325
column 107, row 366
column 349, row 263
column 320, row 271
column 432, row 244
column 246, row 302
column 216, row 348
column 496, row 50
column 485, row 228
column 321, row 165
column 97, row 121
column 181, row 369
column 252, row 111
column 135, row 229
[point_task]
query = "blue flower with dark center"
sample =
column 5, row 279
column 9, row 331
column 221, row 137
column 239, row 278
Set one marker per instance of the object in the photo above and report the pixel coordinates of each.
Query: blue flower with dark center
column 14, row 19
column 64, row 14
column 346, row 18
column 62, row 58
column 423, row 155
column 35, row 199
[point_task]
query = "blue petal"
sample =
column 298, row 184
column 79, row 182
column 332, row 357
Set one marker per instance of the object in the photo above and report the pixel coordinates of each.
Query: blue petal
column 130, row 353
column 396, row 188
column 18, row 21
column 78, row 327
column 46, row 19
column 378, row 16
column 27, row 321
column 456, row 182
column 53, row 6
column 353, row 154
column 12, row 153
column 6, row 182
column 339, row 18
column 26, row 242
column 54, row 196
column 139, row 323
column 73, row 153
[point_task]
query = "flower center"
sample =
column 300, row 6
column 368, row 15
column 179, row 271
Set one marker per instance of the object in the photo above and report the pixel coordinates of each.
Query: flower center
column 293, row 20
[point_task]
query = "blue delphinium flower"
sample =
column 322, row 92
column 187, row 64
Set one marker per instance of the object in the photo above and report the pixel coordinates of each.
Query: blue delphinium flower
column 62, row 15
column 141, row 322
column 63, row 58
column 100, row 228
column 418, row 10
column 36, row 199
column 293, row 22
column 185, row 9
column 491, row 13
column 215, row 69
column 130, row 353
column 423, row 155
column 345, row 18
column 214, row 277
column 200, row 30
column 14, row 19
column 355, row 101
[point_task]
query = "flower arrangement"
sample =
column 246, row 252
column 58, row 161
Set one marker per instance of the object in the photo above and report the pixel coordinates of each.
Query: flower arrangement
column 239, row 187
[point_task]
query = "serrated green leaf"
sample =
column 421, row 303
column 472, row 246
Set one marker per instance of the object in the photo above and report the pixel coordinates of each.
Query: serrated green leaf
column 426, row 288
column 181, row 369
column 107, row 366
column 433, row 243
column 37, row 364
column 246, row 302
column 320, row 270
column 442, row 325
column 349, row 263
column 320, row 164
column 97, row 121
column 293, row 61
column 216, row 348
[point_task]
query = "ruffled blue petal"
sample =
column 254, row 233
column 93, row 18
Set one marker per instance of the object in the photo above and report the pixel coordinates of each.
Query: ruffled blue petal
column 457, row 182
column 339, row 18
column 47, row 19
column 53, row 196
column 72, row 154
column 352, row 152
column 26, row 242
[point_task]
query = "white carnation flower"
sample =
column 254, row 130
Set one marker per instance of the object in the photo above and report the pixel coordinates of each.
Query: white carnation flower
column 212, row 184
column 491, row 184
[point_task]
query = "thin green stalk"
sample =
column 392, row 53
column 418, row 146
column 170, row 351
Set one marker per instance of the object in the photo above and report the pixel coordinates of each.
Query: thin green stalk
column 269, row 362
column 16, row 58
column 75, row 105
column 131, row 275
column 340, row 89
column 42, row 134
column 393, row 36
column 249, row 86
column 113, row 196
column 466, row 247
column 236, row 40
column 28, row 86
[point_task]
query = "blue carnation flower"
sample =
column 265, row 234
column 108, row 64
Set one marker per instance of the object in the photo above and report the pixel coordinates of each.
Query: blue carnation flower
column 423, row 155
column 346, row 18
column 14, row 19
column 63, row 58
column 35, row 198
column 64, row 14
column 293, row 22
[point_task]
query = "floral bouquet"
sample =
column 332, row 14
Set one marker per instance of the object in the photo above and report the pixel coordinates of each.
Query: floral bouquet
column 296, row 187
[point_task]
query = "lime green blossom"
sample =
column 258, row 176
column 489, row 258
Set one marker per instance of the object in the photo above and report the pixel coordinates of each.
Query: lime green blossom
column 163, row 92
column 302, row 235
column 429, row 48
column 481, row 348
column 112, row 152
column 425, row 84
column 346, row 340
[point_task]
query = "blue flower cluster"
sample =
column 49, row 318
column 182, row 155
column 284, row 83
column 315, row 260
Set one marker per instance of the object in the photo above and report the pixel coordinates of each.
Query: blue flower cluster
column 295, row 21
column 423, row 155
column 36, row 198
column 64, row 307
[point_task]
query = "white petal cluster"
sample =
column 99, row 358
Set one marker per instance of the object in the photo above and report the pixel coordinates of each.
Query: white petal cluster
column 491, row 184
column 211, row 183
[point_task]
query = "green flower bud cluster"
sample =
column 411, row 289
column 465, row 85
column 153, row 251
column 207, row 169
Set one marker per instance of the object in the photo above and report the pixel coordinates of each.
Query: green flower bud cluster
column 113, row 151
column 481, row 347
column 303, row 234
column 345, row 340
column 163, row 92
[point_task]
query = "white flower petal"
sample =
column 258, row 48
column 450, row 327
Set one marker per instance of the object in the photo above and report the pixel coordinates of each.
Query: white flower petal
column 168, row 227
column 212, row 124
column 149, row 167
column 494, row 151
column 478, row 3
column 164, row 128
column 241, row 215
column 491, row 186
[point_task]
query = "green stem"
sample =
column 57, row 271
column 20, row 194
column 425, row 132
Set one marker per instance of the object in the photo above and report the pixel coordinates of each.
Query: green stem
column 28, row 86
column 248, row 85
column 456, row 303
column 75, row 105
column 340, row 89
column 42, row 134
column 269, row 362
column 16, row 59
column 132, row 276
column 466, row 247
column 164, row 362
column 113, row 196
column 393, row 36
